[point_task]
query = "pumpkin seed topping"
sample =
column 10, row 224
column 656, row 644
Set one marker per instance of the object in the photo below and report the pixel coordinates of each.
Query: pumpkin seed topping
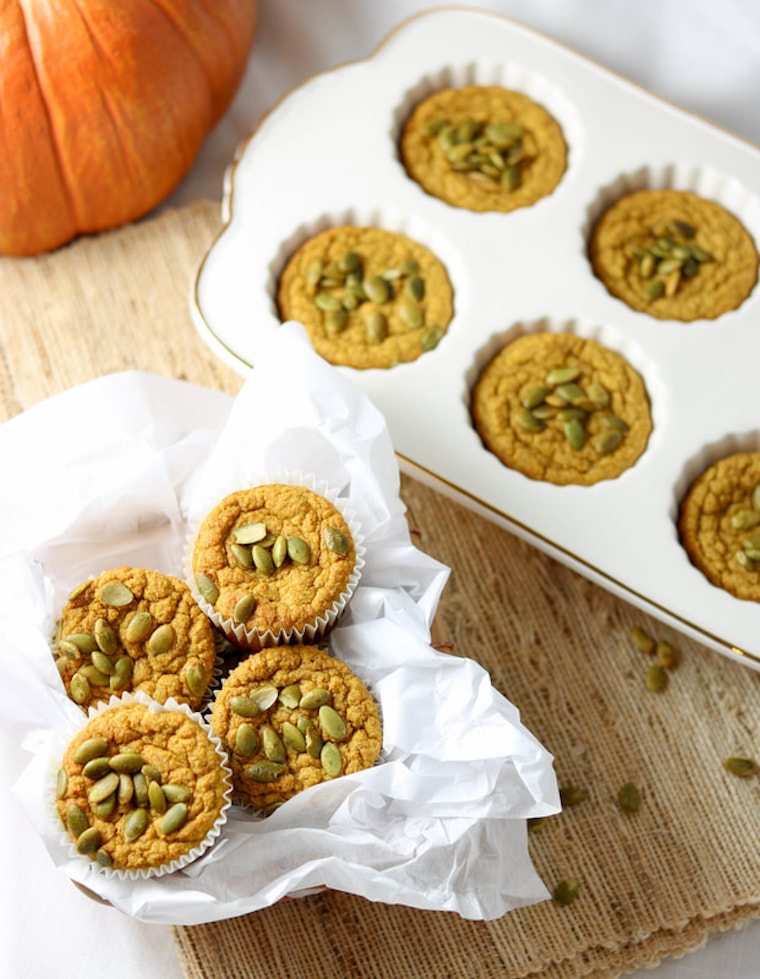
column 97, row 767
column 741, row 766
column 89, row 749
column 566, row 891
column 315, row 698
column 103, row 788
column 207, row 588
column 376, row 326
column 280, row 550
column 534, row 396
column 122, row 673
column 84, row 641
column 116, row 594
column 79, row 590
column 411, row 316
column 244, row 609
column 244, row 706
column 76, row 820
column 246, row 740
column 629, row 798
column 89, row 841
column 80, row 689
column 174, row 818
column 486, row 151
column 242, row 555
column 332, row 723
column 743, row 520
column 642, row 640
column 140, row 783
column 272, row 744
column 263, row 560
column 298, row 550
column 572, row 795
column 156, row 798
column 135, row 824
column 151, row 773
column 265, row 697
column 61, row 784
column 656, row 678
column 335, row 540
column 138, row 627
column 68, row 649
column 105, row 637
column 176, row 793
column 264, row 771
column 670, row 256
column 332, row 761
column 103, row 858
column 667, row 657
column 290, row 696
column 430, row 339
column 162, row 640
column 103, row 663
column 126, row 789
column 293, row 737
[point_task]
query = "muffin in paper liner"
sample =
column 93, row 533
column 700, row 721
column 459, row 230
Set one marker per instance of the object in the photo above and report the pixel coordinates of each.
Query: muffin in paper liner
column 171, row 706
column 255, row 639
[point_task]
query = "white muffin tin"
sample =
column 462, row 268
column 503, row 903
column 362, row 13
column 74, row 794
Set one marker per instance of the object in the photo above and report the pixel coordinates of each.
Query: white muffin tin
column 328, row 154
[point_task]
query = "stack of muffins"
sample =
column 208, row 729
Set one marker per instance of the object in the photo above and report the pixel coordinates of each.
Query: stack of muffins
column 144, row 786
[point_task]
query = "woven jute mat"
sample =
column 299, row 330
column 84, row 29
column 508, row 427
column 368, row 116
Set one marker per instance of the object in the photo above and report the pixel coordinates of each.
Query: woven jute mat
column 654, row 883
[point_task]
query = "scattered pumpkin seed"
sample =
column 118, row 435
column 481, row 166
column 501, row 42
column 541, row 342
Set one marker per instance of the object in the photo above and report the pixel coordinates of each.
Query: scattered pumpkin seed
column 122, row 673
column 629, row 798
column 244, row 706
column 176, row 793
column 292, row 737
column 84, row 641
column 103, row 858
column 116, row 594
column 244, row 608
column 156, row 798
column 376, row 326
column 103, row 663
column 272, row 744
column 207, row 588
column 315, row 698
column 97, row 767
column 336, row 320
column 290, row 696
column 753, row 553
column 545, row 412
column 572, row 795
column 298, row 550
column 264, row 771
column 151, row 773
column 741, row 558
column 127, row 762
column 265, row 697
column 332, row 723
column 138, row 627
column 162, row 640
column 646, row 266
column 566, row 891
column 314, row 271
column 135, row 824
column 536, row 823
column 61, row 784
column 756, row 497
column 575, row 433
column 642, row 640
column 598, row 394
column 195, row 680
column 94, row 676
column 105, row 807
column 77, row 591
column 242, row 555
column 335, row 540
column 377, row 289
column 410, row 267
column 76, row 820
column 103, row 788
column 533, row 396
column 326, row 302
column 654, row 289
column 60, row 664
column 565, row 414
column 80, row 689
column 415, row 288
column 430, row 339
column 105, row 637
column 667, row 657
column 246, row 740
column 615, row 423
column 140, row 783
column 656, row 678
column 743, row 520
column 89, row 749
column 314, row 742
column 606, row 442
column 263, row 560
column 68, row 649
column 411, row 316
column 511, row 177
column 89, row 841
column 279, row 550
column 126, row 789
column 741, row 766
column 562, row 375
column 349, row 262
column 528, row 421
column 331, row 759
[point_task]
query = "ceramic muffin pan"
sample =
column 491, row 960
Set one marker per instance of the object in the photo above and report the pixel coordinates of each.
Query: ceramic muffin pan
column 328, row 154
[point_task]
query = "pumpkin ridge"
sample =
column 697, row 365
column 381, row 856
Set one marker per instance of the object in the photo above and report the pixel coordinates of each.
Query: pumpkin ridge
column 189, row 45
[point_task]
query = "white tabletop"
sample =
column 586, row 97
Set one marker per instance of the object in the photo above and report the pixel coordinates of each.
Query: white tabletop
column 698, row 53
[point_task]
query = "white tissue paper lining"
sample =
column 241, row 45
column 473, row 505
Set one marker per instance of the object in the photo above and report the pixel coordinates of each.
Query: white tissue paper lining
column 122, row 465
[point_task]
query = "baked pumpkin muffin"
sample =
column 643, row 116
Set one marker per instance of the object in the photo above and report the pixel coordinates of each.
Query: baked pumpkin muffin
column 274, row 558
column 719, row 524
column 134, row 629
column 367, row 297
column 484, row 148
column 139, row 788
column 563, row 409
column 292, row 717
column 673, row 255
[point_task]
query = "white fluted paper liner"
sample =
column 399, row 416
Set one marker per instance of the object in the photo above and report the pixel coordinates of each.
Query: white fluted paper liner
column 313, row 631
column 440, row 823
column 170, row 706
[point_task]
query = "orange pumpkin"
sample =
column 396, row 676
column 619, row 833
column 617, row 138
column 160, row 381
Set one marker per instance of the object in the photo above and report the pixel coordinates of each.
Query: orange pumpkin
column 104, row 105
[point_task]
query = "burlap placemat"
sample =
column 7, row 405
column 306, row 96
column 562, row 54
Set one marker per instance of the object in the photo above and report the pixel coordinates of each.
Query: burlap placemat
column 653, row 884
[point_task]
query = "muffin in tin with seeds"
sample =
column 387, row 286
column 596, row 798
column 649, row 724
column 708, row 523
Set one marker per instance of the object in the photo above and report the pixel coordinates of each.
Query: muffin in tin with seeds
column 673, row 255
column 719, row 524
column 484, row 148
column 140, row 788
column 292, row 717
column 560, row 408
column 273, row 559
column 134, row 629
column 367, row 297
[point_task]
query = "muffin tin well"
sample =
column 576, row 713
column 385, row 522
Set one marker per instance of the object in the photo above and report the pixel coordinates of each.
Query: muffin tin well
column 329, row 153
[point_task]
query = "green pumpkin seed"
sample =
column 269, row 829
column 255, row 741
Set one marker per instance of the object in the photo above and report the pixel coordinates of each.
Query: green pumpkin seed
column 741, row 766
column 314, row 742
column 246, row 740
column 207, row 588
column 562, row 375
column 138, row 627
column 127, row 762
column 263, row 560
column 60, row 664
column 751, row 541
column 575, row 433
column 244, row 707
column 156, row 798
column 79, row 590
column 315, row 698
column 606, row 442
column 598, row 394
column 410, row 267
column 745, row 519
column 105, row 637
column 566, row 414
column 97, row 767
column 555, row 401
column 377, row 289
column 336, row 321
column 700, row 254
column 89, row 749
column 376, row 326
column 264, row 771
column 629, row 798
column 122, row 673
column 615, row 423
column 566, row 891
column 349, row 262
column 89, row 841
column 411, row 316
column 103, row 663
column 511, row 178
column 126, row 789
column 642, row 640
column 331, row 759
column 177, row 793
column 430, row 339
column 135, row 824
column 742, row 559
column 682, row 228
column 76, row 820
column 290, row 696
column 332, row 723
column 570, row 392
column 117, row 594
column 533, row 396
column 95, row 676
column 141, row 789
column 244, row 608
column 753, row 553
column 415, row 288
column 242, row 555
column 536, row 823
column 84, row 641
column 545, row 412
column 103, row 788
column 250, row 533
column 656, row 678
column 298, row 550
column 646, row 266
column 690, row 268
column 572, row 795
column 524, row 419
column 335, row 540
column 666, row 656
column 265, row 697
column 151, row 773
column 326, row 302
column 279, row 550
column 273, row 747
column 655, row 289
column 105, row 808
column 304, row 723
column 161, row 641
column 195, row 680
column 668, row 265
column 292, row 737
column 80, row 689
column 68, row 649
column 103, row 858
column 314, row 271
column 61, row 784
